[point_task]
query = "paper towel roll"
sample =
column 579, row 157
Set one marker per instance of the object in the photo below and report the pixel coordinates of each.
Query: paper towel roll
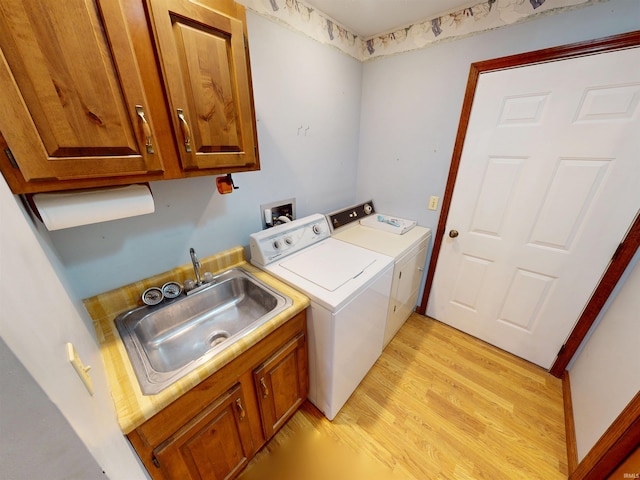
column 72, row 209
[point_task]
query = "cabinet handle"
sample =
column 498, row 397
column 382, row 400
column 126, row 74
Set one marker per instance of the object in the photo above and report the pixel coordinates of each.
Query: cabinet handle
column 145, row 128
column 240, row 408
column 186, row 132
column 265, row 389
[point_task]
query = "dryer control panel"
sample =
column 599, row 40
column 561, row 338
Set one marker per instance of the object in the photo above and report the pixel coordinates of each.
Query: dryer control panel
column 344, row 217
column 274, row 243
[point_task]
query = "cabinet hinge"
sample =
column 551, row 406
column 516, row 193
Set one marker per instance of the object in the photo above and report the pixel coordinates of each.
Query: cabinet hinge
column 562, row 349
column 155, row 461
column 12, row 159
column 617, row 252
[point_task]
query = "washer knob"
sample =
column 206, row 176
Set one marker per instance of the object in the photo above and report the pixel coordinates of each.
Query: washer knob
column 317, row 229
column 288, row 240
column 276, row 244
column 367, row 209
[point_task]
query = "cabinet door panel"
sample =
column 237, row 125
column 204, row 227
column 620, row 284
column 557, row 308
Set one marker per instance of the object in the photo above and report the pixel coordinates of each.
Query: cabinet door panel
column 411, row 278
column 405, row 289
column 205, row 55
column 69, row 84
column 282, row 384
column 214, row 445
column 205, row 69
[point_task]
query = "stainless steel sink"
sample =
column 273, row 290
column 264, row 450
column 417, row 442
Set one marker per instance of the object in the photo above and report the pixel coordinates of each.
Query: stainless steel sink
column 166, row 341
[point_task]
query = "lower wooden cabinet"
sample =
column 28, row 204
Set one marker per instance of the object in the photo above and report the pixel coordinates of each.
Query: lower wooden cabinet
column 282, row 384
column 216, row 444
column 213, row 431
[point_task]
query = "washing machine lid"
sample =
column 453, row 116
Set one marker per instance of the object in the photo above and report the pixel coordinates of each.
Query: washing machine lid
column 307, row 273
column 329, row 265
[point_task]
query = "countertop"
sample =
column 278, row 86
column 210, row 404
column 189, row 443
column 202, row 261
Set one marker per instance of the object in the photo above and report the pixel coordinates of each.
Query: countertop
column 132, row 407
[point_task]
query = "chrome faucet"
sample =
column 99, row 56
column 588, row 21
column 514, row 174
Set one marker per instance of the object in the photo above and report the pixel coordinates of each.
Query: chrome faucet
column 196, row 266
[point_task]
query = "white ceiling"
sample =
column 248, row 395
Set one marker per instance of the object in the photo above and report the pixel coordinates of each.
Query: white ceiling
column 370, row 17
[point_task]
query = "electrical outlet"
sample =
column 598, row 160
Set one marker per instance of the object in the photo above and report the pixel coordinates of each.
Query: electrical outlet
column 433, row 202
column 81, row 370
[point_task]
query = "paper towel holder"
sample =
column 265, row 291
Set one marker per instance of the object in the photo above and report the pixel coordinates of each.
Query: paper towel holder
column 138, row 199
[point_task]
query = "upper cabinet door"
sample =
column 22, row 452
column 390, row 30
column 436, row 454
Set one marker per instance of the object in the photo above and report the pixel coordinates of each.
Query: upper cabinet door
column 206, row 72
column 71, row 91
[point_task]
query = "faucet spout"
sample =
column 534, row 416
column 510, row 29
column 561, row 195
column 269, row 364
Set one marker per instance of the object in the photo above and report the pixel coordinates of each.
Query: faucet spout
column 196, row 266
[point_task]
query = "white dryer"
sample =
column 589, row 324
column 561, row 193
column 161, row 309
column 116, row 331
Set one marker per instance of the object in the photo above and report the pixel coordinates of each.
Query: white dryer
column 401, row 239
column 349, row 291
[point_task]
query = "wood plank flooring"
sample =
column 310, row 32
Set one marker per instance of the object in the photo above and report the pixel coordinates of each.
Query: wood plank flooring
column 438, row 404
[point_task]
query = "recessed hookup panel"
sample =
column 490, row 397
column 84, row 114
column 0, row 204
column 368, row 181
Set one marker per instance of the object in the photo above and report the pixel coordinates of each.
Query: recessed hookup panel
column 276, row 213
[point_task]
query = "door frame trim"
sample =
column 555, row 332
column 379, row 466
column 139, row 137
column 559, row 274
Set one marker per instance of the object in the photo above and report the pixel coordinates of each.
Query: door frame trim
column 616, row 268
column 632, row 241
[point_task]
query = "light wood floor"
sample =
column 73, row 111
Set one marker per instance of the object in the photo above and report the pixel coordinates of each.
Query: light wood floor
column 438, row 404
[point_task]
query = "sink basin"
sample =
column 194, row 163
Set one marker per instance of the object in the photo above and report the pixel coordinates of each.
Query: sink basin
column 166, row 341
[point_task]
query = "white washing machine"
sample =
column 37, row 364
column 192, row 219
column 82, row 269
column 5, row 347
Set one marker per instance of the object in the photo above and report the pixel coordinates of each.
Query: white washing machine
column 349, row 291
column 401, row 239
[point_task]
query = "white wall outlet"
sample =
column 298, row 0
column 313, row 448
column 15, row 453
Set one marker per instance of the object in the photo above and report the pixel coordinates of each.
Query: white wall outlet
column 83, row 372
column 433, row 202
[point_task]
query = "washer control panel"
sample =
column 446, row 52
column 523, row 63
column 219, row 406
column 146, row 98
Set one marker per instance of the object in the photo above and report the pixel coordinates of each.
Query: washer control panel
column 274, row 243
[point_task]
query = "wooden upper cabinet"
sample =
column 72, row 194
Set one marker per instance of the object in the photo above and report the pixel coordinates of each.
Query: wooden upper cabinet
column 71, row 91
column 206, row 73
column 85, row 103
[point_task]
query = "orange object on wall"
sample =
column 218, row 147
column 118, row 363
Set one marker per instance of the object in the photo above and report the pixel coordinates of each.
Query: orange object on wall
column 225, row 184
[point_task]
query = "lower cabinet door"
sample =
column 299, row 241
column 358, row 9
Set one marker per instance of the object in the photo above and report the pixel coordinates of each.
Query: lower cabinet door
column 216, row 444
column 282, row 384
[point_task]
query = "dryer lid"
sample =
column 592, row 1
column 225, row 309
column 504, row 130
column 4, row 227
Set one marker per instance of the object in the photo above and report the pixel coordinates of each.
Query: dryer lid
column 328, row 265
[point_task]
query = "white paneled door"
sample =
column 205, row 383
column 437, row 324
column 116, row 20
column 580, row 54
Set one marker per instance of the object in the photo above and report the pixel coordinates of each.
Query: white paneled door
column 549, row 183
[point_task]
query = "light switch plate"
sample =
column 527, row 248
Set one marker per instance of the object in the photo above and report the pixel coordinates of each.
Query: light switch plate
column 433, row 202
column 83, row 372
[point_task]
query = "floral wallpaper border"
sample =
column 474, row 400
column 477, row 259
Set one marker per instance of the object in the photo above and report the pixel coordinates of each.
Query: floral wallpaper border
column 478, row 17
